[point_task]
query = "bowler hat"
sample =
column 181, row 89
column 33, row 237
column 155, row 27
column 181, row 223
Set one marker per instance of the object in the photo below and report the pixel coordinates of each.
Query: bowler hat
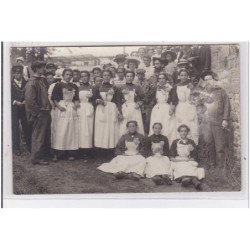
column 51, row 65
column 209, row 73
column 170, row 52
column 140, row 71
column 120, row 58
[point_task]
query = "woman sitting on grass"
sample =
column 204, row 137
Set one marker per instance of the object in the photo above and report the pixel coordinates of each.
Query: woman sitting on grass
column 158, row 164
column 184, row 160
column 130, row 150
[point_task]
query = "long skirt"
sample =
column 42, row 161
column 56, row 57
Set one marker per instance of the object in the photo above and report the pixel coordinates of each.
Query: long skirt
column 185, row 113
column 160, row 113
column 106, row 126
column 158, row 166
column 65, row 125
column 130, row 113
column 187, row 168
column 128, row 164
column 86, row 125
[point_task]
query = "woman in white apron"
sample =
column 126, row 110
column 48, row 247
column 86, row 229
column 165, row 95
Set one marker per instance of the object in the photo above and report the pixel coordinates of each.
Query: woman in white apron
column 85, row 113
column 66, row 98
column 185, row 112
column 108, row 99
column 158, row 164
column 184, row 163
column 130, row 151
column 163, row 112
column 133, row 98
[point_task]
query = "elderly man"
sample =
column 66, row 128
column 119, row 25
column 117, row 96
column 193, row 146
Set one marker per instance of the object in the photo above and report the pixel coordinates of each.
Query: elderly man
column 218, row 113
column 37, row 107
column 18, row 110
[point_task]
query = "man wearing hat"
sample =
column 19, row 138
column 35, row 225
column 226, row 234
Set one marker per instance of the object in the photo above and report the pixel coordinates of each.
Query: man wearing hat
column 51, row 68
column 37, row 108
column 26, row 73
column 149, row 93
column 218, row 115
column 120, row 59
column 18, row 110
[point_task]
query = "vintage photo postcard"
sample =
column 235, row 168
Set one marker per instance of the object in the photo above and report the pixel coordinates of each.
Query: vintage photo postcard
column 123, row 119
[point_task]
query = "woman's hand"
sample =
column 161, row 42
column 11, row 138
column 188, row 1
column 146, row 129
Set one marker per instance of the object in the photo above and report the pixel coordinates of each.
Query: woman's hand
column 62, row 109
column 224, row 124
column 137, row 105
column 100, row 102
column 120, row 117
column 171, row 111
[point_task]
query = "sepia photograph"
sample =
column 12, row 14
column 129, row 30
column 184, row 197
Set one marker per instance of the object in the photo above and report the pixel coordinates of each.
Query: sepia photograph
column 125, row 118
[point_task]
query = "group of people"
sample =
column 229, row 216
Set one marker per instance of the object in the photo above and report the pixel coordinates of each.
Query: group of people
column 134, row 108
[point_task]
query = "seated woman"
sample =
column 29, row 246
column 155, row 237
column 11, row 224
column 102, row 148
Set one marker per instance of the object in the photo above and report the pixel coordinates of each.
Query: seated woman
column 129, row 161
column 184, row 160
column 158, row 164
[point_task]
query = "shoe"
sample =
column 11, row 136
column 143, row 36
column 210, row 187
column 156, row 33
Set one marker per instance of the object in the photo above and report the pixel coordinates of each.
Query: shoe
column 55, row 159
column 167, row 180
column 71, row 158
column 186, row 181
column 41, row 162
column 120, row 175
column 134, row 176
column 197, row 184
column 158, row 180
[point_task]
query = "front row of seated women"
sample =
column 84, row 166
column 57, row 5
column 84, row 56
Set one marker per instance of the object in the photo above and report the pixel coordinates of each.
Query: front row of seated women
column 163, row 165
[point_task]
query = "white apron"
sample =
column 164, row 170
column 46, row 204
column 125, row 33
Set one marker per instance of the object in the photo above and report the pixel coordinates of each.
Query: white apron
column 130, row 163
column 185, row 113
column 86, row 120
column 65, row 135
column 184, row 167
column 160, row 113
column 106, row 123
column 52, row 112
column 130, row 113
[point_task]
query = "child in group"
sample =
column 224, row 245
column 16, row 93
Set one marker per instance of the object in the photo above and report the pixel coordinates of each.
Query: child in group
column 185, row 111
column 158, row 164
column 133, row 98
column 183, row 156
column 85, row 113
column 130, row 151
column 65, row 96
column 97, row 81
column 96, row 72
column 163, row 112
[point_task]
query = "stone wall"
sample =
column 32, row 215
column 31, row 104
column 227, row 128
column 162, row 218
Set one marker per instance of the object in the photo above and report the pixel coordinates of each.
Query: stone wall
column 226, row 63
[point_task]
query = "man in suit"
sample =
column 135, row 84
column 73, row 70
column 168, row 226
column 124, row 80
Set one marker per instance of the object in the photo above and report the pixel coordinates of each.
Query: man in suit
column 18, row 110
column 37, row 108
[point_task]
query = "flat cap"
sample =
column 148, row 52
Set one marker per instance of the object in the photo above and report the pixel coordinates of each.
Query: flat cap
column 37, row 64
column 140, row 71
column 17, row 68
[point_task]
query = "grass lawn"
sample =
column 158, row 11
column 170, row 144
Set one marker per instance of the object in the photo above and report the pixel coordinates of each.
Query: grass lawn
column 81, row 176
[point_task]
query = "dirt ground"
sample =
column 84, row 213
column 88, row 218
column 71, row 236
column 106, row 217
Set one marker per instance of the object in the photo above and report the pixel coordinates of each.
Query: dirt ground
column 81, row 176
